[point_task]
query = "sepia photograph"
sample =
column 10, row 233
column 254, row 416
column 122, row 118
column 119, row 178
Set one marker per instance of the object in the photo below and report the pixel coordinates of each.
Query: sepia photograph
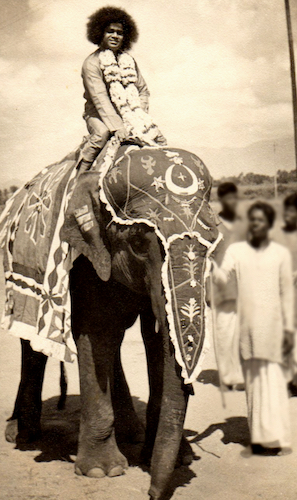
column 148, row 250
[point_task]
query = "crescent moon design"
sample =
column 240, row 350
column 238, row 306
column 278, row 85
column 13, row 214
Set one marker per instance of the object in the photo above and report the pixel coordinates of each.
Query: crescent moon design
column 174, row 188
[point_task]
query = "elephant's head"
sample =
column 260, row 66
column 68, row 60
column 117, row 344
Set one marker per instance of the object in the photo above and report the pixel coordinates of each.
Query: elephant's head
column 161, row 232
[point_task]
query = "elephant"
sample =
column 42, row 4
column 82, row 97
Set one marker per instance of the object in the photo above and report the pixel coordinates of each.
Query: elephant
column 141, row 235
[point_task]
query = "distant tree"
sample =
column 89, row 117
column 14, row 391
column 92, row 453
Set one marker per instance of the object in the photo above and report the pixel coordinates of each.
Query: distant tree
column 284, row 177
column 13, row 189
column 250, row 178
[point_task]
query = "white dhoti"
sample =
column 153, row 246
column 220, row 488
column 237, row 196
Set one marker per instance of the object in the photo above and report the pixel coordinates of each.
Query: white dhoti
column 268, row 403
column 228, row 344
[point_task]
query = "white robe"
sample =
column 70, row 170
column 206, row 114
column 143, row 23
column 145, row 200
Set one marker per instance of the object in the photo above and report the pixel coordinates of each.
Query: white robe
column 265, row 309
column 227, row 334
column 265, row 297
column 267, row 403
column 227, row 345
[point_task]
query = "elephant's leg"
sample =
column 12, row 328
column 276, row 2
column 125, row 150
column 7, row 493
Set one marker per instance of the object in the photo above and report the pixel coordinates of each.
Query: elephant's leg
column 96, row 328
column 24, row 424
column 128, row 427
column 171, row 421
column 98, row 454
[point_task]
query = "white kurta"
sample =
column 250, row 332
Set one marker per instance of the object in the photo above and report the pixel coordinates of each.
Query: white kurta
column 265, row 297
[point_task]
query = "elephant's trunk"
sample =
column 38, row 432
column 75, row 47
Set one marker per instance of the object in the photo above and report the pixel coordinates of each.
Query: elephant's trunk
column 178, row 304
column 171, row 421
column 173, row 406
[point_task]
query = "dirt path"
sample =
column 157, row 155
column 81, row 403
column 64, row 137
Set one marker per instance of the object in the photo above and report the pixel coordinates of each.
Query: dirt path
column 218, row 472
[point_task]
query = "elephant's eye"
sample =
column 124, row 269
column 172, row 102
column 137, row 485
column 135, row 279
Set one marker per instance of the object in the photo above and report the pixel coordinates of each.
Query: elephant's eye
column 139, row 244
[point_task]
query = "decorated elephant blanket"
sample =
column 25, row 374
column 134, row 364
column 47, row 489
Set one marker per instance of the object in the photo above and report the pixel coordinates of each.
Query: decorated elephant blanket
column 169, row 189
column 37, row 304
column 165, row 188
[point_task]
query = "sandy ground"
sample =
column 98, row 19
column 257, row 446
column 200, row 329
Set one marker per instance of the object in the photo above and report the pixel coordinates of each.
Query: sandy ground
column 217, row 435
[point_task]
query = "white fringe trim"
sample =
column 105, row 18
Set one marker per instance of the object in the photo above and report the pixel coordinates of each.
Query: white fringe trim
column 47, row 346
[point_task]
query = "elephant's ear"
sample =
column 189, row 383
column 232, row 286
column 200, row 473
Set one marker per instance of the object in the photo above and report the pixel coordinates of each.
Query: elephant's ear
column 83, row 227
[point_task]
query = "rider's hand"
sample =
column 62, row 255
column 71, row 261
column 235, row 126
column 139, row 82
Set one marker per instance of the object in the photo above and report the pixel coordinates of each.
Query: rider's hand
column 121, row 134
column 160, row 139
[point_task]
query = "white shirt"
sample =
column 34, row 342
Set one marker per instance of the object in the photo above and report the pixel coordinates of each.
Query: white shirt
column 265, row 296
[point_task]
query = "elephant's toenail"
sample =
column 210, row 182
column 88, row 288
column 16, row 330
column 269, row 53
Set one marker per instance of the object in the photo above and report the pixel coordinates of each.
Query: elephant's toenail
column 78, row 471
column 96, row 472
column 116, row 471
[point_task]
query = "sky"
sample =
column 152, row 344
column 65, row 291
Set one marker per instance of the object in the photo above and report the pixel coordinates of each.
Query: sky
column 217, row 70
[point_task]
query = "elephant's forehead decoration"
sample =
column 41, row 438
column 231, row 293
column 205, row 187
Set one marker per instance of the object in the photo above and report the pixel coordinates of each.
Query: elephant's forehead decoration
column 169, row 189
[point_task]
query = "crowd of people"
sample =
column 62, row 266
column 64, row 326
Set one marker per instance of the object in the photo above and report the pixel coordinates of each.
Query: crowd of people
column 254, row 272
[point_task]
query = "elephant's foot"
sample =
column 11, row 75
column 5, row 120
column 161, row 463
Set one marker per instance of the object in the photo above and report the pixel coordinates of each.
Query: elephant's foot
column 23, row 437
column 185, row 454
column 100, row 459
column 11, row 430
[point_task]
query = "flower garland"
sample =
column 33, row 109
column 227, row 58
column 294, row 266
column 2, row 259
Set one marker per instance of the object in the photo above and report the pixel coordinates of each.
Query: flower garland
column 121, row 76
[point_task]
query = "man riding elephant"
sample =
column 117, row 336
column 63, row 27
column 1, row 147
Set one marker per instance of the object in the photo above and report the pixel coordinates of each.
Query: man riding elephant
column 117, row 97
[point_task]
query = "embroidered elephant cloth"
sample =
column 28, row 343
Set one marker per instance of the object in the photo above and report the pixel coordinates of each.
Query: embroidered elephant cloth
column 169, row 189
column 37, row 298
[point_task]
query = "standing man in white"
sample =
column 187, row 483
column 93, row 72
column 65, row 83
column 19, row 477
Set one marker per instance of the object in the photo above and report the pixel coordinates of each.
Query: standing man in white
column 226, row 296
column 263, row 271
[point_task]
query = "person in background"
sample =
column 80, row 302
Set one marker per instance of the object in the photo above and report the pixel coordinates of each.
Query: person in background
column 228, row 198
column 263, row 270
column 287, row 236
column 290, row 235
column 227, row 338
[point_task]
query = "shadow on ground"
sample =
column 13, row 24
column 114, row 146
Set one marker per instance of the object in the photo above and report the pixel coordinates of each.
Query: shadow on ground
column 209, row 377
column 59, row 439
column 235, row 430
column 59, row 430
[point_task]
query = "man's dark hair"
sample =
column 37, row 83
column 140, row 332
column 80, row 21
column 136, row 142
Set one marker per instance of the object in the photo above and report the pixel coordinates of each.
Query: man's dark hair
column 291, row 201
column 267, row 210
column 102, row 18
column 226, row 188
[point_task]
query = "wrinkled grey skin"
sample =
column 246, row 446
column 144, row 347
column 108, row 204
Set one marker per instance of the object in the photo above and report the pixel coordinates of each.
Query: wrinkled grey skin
column 101, row 312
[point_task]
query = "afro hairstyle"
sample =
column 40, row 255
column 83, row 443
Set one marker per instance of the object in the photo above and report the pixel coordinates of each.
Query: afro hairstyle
column 267, row 210
column 102, row 18
column 291, row 201
column 226, row 188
